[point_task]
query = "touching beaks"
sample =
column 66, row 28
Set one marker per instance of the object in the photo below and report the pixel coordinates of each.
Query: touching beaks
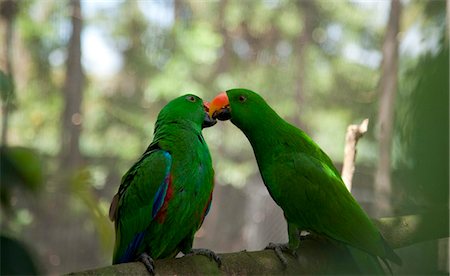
column 206, row 106
column 220, row 107
column 208, row 121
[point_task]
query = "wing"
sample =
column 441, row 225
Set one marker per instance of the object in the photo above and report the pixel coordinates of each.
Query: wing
column 206, row 209
column 140, row 197
column 320, row 201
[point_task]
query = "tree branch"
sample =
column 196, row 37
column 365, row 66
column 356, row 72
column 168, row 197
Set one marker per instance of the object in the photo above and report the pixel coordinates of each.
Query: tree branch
column 387, row 89
column 408, row 230
column 354, row 132
column 315, row 255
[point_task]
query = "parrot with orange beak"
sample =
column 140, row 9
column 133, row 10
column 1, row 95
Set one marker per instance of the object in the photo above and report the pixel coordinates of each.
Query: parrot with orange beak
column 303, row 181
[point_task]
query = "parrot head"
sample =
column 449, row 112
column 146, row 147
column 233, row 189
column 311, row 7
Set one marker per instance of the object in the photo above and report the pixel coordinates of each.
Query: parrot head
column 220, row 107
column 189, row 108
column 242, row 106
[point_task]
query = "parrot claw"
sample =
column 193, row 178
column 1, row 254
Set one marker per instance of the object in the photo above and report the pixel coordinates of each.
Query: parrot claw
column 148, row 262
column 279, row 248
column 206, row 252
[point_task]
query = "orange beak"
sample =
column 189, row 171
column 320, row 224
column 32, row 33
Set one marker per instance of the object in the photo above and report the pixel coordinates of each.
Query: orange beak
column 218, row 103
column 208, row 121
column 206, row 106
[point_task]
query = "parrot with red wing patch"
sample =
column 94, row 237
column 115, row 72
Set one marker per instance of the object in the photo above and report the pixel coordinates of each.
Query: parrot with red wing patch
column 165, row 196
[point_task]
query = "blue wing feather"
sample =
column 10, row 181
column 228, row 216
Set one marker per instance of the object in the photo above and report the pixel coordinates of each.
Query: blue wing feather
column 158, row 200
column 131, row 248
column 207, row 209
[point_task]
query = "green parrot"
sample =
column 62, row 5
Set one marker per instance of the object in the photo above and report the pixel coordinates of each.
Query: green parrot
column 303, row 181
column 165, row 196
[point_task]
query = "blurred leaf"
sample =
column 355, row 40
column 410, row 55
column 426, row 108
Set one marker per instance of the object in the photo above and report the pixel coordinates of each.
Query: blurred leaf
column 16, row 258
column 6, row 87
column 19, row 167
column 81, row 186
column 290, row 23
column 200, row 43
column 423, row 126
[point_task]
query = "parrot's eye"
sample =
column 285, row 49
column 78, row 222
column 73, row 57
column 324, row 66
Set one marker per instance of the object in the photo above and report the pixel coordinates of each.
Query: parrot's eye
column 191, row 98
column 242, row 98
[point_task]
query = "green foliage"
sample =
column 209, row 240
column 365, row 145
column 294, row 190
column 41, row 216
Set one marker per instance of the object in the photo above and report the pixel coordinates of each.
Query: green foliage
column 20, row 168
column 81, row 186
column 16, row 258
column 6, row 88
column 424, row 131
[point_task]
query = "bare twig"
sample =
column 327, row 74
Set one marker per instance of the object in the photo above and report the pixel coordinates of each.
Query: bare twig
column 354, row 132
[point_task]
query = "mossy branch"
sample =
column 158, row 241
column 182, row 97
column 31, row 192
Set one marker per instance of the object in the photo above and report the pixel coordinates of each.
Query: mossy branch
column 315, row 255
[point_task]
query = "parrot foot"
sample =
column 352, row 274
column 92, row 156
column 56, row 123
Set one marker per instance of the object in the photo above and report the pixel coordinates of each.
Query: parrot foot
column 148, row 262
column 279, row 248
column 206, row 252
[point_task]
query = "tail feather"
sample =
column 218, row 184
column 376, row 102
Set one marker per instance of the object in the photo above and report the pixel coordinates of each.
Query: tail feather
column 390, row 254
column 386, row 263
column 367, row 264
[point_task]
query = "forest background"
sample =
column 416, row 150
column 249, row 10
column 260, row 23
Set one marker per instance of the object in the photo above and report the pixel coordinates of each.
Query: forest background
column 83, row 81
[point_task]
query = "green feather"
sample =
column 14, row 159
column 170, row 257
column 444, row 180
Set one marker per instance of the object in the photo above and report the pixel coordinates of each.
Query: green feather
column 178, row 133
column 302, row 179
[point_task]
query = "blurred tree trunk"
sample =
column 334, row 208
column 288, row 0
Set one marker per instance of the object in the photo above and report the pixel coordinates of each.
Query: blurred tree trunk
column 304, row 40
column 177, row 4
column 223, row 62
column 73, row 95
column 387, row 90
column 182, row 11
column 447, row 34
column 8, row 12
